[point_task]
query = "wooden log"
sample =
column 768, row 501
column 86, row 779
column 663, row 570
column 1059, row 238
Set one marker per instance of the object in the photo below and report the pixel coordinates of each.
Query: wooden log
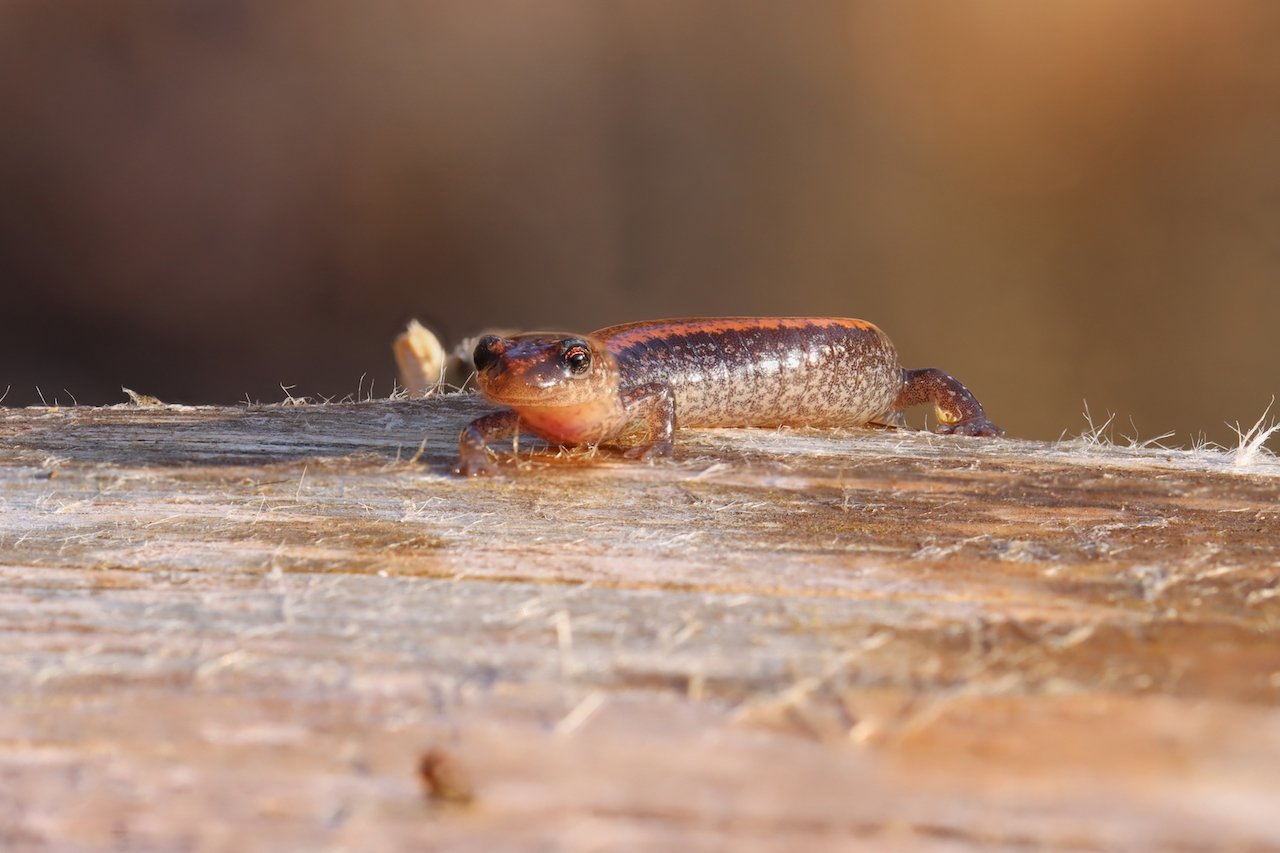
column 289, row 627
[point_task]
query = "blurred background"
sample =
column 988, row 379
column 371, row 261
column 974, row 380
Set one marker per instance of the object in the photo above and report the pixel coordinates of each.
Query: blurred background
column 1059, row 202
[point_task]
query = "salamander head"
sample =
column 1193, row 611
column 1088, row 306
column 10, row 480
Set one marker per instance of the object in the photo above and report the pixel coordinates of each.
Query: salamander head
column 544, row 369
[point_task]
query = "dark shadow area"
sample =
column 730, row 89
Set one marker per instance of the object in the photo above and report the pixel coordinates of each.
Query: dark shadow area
column 382, row 431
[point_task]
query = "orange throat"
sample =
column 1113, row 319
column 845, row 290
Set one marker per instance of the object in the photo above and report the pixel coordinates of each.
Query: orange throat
column 579, row 423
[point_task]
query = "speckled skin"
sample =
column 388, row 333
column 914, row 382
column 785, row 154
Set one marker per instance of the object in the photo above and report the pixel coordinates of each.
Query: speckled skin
column 763, row 373
column 759, row 372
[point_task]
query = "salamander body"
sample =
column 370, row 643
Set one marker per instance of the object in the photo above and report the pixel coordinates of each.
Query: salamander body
column 644, row 378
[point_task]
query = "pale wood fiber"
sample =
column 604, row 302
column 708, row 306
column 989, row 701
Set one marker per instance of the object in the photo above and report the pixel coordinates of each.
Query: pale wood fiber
column 245, row 629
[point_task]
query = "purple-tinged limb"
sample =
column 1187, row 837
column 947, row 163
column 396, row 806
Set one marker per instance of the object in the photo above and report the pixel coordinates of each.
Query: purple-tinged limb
column 959, row 412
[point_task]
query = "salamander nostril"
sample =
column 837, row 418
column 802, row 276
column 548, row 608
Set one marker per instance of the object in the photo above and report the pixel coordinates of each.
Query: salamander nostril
column 488, row 348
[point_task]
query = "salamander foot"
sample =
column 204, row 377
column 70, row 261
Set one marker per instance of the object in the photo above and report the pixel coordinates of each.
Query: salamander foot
column 475, row 466
column 656, row 450
column 971, row 426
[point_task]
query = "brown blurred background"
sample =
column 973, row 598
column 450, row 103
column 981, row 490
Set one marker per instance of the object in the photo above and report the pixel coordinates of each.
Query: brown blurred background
column 1059, row 202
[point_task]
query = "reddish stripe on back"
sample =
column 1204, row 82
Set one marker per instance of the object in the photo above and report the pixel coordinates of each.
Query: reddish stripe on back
column 627, row 335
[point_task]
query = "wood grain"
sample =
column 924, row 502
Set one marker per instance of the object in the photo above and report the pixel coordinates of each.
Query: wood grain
column 261, row 628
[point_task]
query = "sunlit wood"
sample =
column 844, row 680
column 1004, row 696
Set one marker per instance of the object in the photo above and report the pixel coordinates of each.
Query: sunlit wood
column 286, row 627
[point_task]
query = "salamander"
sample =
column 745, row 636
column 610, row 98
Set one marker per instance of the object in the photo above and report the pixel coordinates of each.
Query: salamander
column 640, row 380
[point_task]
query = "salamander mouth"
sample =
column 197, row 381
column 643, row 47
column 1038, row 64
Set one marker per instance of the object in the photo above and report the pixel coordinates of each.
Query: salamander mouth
column 522, row 391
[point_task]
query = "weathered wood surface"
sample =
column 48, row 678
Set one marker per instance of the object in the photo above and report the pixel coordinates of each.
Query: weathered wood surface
column 243, row 629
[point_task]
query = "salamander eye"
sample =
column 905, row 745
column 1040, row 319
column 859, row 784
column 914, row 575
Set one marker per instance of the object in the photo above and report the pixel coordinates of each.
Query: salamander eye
column 487, row 351
column 576, row 355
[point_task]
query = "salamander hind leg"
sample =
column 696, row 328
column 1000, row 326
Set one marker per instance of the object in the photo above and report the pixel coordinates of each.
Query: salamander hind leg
column 473, row 443
column 653, row 404
column 959, row 412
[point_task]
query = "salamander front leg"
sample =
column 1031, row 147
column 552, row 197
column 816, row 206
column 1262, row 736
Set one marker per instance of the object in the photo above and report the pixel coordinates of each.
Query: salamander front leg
column 654, row 405
column 473, row 449
column 958, row 411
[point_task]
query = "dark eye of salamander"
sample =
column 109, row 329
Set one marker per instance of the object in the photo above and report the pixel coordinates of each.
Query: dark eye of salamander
column 488, row 349
column 576, row 355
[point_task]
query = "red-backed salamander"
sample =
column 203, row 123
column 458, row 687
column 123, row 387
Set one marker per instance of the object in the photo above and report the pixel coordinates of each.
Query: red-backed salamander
column 644, row 378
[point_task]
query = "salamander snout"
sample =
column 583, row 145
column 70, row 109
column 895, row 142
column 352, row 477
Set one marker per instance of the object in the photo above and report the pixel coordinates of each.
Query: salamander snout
column 488, row 350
